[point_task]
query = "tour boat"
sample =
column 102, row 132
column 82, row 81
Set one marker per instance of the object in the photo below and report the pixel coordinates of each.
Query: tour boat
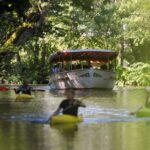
column 82, row 69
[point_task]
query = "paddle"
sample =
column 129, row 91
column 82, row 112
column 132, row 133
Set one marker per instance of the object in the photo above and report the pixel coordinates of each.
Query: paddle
column 10, row 87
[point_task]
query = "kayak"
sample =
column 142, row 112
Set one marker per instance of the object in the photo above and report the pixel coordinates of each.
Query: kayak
column 24, row 97
column 144, row 112
column 63, row 119
column 3, row 88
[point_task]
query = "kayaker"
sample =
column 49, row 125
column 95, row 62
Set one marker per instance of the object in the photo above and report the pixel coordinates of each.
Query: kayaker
column 70, row 105
column 25, row 88
column 147, row 105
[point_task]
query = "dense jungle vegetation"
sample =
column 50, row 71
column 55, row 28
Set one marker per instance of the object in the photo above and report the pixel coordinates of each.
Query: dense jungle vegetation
column 30, row 30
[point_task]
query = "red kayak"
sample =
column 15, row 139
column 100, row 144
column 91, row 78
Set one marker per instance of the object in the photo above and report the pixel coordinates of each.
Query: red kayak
column 2, row 88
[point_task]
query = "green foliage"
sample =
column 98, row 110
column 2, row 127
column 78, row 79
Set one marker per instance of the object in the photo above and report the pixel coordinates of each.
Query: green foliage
column 137, row 74
column 48, row 26
column 19, row 6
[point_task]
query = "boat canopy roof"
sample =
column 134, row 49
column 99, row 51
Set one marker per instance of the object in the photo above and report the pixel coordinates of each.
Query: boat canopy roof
column 83, row 54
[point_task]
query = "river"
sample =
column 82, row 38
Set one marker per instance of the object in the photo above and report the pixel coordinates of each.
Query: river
column 106, row 125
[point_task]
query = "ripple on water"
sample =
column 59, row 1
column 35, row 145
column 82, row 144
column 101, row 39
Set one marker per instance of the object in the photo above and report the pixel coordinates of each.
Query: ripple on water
column 91, row 115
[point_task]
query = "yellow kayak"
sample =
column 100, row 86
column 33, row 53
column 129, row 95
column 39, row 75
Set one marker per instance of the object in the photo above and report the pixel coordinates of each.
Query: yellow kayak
column 24, row 97
column 63, row 119
column 144, row 112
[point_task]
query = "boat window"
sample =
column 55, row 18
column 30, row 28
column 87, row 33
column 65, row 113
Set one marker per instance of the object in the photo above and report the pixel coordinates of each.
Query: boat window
column 68, row 66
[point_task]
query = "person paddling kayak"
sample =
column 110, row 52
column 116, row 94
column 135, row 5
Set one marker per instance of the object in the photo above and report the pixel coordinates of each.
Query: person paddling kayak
column 25, row 88
column 147, row 105
column 70, row 105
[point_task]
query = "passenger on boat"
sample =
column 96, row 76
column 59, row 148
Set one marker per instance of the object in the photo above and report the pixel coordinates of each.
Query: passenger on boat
column 61, row 67
column 79, row 66
column 104, row 67
column 110, row 66
column 87, row 65
column 56, row 69
column 53, row 69
column 2, row 81
column 25, row 88
column 74, row 66
column 70, row 105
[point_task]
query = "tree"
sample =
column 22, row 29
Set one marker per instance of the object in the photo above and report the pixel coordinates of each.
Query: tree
column 51, row 25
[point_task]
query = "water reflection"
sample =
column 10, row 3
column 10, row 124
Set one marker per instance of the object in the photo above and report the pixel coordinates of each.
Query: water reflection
column 106, row 126
column 87, row 92
column 68, row 133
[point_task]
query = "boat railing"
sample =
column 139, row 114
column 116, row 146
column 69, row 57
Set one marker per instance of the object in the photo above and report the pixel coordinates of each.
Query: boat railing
column 75, row 70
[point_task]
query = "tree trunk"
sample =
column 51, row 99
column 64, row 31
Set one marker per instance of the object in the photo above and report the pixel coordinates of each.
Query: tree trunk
column 121, row 53
column 18, row 58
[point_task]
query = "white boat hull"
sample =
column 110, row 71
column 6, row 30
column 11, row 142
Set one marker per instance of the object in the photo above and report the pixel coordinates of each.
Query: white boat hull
column 83, row 78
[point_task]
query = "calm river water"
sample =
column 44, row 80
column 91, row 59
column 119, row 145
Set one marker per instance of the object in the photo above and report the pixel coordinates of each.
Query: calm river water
column 106, row 126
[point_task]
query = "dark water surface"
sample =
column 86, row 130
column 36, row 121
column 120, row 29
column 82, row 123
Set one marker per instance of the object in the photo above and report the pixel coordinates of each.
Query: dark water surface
column 106, row 126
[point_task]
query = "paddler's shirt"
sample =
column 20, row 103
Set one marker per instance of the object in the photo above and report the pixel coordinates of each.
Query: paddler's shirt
column 70, row 108
column 25, row 89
